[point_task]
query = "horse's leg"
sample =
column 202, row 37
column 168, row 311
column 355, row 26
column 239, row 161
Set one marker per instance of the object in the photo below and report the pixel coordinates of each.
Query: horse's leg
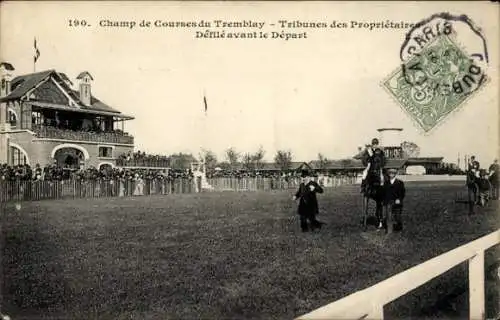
column 379, row 214
column 365, row 213
column 389, row 224
column 470, row 201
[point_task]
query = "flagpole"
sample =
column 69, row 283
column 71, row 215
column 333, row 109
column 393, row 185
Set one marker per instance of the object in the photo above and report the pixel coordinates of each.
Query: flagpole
column 34, row 56
column 204, row 132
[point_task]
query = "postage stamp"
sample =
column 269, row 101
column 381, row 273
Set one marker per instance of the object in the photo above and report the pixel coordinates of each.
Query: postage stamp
column 437, row 75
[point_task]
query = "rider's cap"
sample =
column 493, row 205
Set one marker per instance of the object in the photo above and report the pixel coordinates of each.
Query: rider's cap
column 374, row 141
column 305, row 173
column 392, row 170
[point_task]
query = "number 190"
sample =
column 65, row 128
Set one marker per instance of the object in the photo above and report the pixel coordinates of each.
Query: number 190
column 77, row 23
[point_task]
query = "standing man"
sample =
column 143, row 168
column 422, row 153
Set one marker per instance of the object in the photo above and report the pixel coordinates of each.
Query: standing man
column 494, row 178
column 374, row 160
column 394, row 194
column 308, row 203
column 471, row 182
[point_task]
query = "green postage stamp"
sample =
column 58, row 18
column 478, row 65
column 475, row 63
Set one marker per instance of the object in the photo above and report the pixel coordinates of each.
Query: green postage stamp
column 438, row 80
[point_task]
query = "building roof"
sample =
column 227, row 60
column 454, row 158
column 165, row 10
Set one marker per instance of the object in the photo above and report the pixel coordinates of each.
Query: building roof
column 389, row 129
column 21, row 85
column 55, row 106
column 7, row 66
column 294, row 165
column 65, row 77
column 424, row 160
column 354, row 164
column 83, row 74
column 341, row 164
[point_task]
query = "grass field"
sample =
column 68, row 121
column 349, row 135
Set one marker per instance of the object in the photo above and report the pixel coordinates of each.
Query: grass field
column 221, row 255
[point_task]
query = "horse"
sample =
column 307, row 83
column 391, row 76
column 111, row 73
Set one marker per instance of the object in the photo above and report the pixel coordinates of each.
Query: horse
column 472, row 180
column 374, row 190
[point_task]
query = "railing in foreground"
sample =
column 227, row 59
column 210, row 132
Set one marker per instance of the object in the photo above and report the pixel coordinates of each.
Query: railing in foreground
column 369, row 303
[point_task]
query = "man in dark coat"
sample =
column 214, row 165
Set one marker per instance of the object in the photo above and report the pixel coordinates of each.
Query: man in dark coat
column 394, row 191
column 494, row 177
column 472, row 177
column 308, row 203
column 484, row 187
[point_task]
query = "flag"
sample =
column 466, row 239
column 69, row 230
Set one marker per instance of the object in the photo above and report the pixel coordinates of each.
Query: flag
column 205, row 102
column 37, row 52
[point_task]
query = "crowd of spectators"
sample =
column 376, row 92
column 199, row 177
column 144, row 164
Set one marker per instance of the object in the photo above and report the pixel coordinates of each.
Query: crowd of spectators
column 56, row 173
column 142, row 159
column 53, row 172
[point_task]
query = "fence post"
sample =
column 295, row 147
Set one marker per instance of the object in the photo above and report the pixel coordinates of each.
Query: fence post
column 377, row 313
column 476, row 287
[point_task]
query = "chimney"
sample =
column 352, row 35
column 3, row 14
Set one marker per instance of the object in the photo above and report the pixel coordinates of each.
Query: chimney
column 84, row 88
column 5, row 78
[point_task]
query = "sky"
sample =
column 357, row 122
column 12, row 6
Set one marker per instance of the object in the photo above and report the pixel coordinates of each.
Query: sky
column 321, row 94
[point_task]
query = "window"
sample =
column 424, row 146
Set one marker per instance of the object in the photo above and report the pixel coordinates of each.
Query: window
column 36, row 118
column 17, row 156
column 12, row 118
column 105, row 152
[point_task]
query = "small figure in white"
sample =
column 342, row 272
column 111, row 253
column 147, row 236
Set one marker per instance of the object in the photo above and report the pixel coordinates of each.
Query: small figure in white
column 139, row 185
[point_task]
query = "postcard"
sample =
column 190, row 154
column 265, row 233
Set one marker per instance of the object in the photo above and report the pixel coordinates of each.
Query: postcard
column 248, row 159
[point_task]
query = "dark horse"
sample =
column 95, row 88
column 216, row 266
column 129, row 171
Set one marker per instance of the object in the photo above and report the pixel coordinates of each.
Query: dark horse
column 374, row 190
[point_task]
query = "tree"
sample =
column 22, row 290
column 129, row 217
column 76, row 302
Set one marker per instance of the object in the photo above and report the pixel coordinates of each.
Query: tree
column 209, row 158
column 181, row 160
column 247, row 161
column 323, row 161
column 283, row 159
column 257, row 158
column 410, row 149
column 232, row 156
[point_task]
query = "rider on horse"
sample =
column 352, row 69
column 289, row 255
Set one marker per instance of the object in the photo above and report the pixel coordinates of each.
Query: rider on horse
column 374, row 161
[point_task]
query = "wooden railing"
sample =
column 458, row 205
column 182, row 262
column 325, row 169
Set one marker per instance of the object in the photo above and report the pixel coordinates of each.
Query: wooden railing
column 21, row 190
column 369, row 303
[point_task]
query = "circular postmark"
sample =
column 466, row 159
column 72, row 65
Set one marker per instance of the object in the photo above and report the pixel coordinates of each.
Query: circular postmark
column 443, row 62
column 432, row 56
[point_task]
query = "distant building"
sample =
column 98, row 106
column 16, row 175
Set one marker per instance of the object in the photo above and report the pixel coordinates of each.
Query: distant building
column 44, row 121
column 390, row 140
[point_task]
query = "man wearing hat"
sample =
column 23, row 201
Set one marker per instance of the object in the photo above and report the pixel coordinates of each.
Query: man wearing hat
column 373, row 159
column 394, row 194
column 308, row 203
column 494, row 177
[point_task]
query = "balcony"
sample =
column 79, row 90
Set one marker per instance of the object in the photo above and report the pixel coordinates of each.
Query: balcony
column 46, row 132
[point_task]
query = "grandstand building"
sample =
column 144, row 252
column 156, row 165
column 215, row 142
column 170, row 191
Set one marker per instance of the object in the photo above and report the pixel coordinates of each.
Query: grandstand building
column 43, row 120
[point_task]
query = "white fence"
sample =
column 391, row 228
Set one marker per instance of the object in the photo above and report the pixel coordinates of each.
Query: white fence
column 369, row 303
column 432, row 177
